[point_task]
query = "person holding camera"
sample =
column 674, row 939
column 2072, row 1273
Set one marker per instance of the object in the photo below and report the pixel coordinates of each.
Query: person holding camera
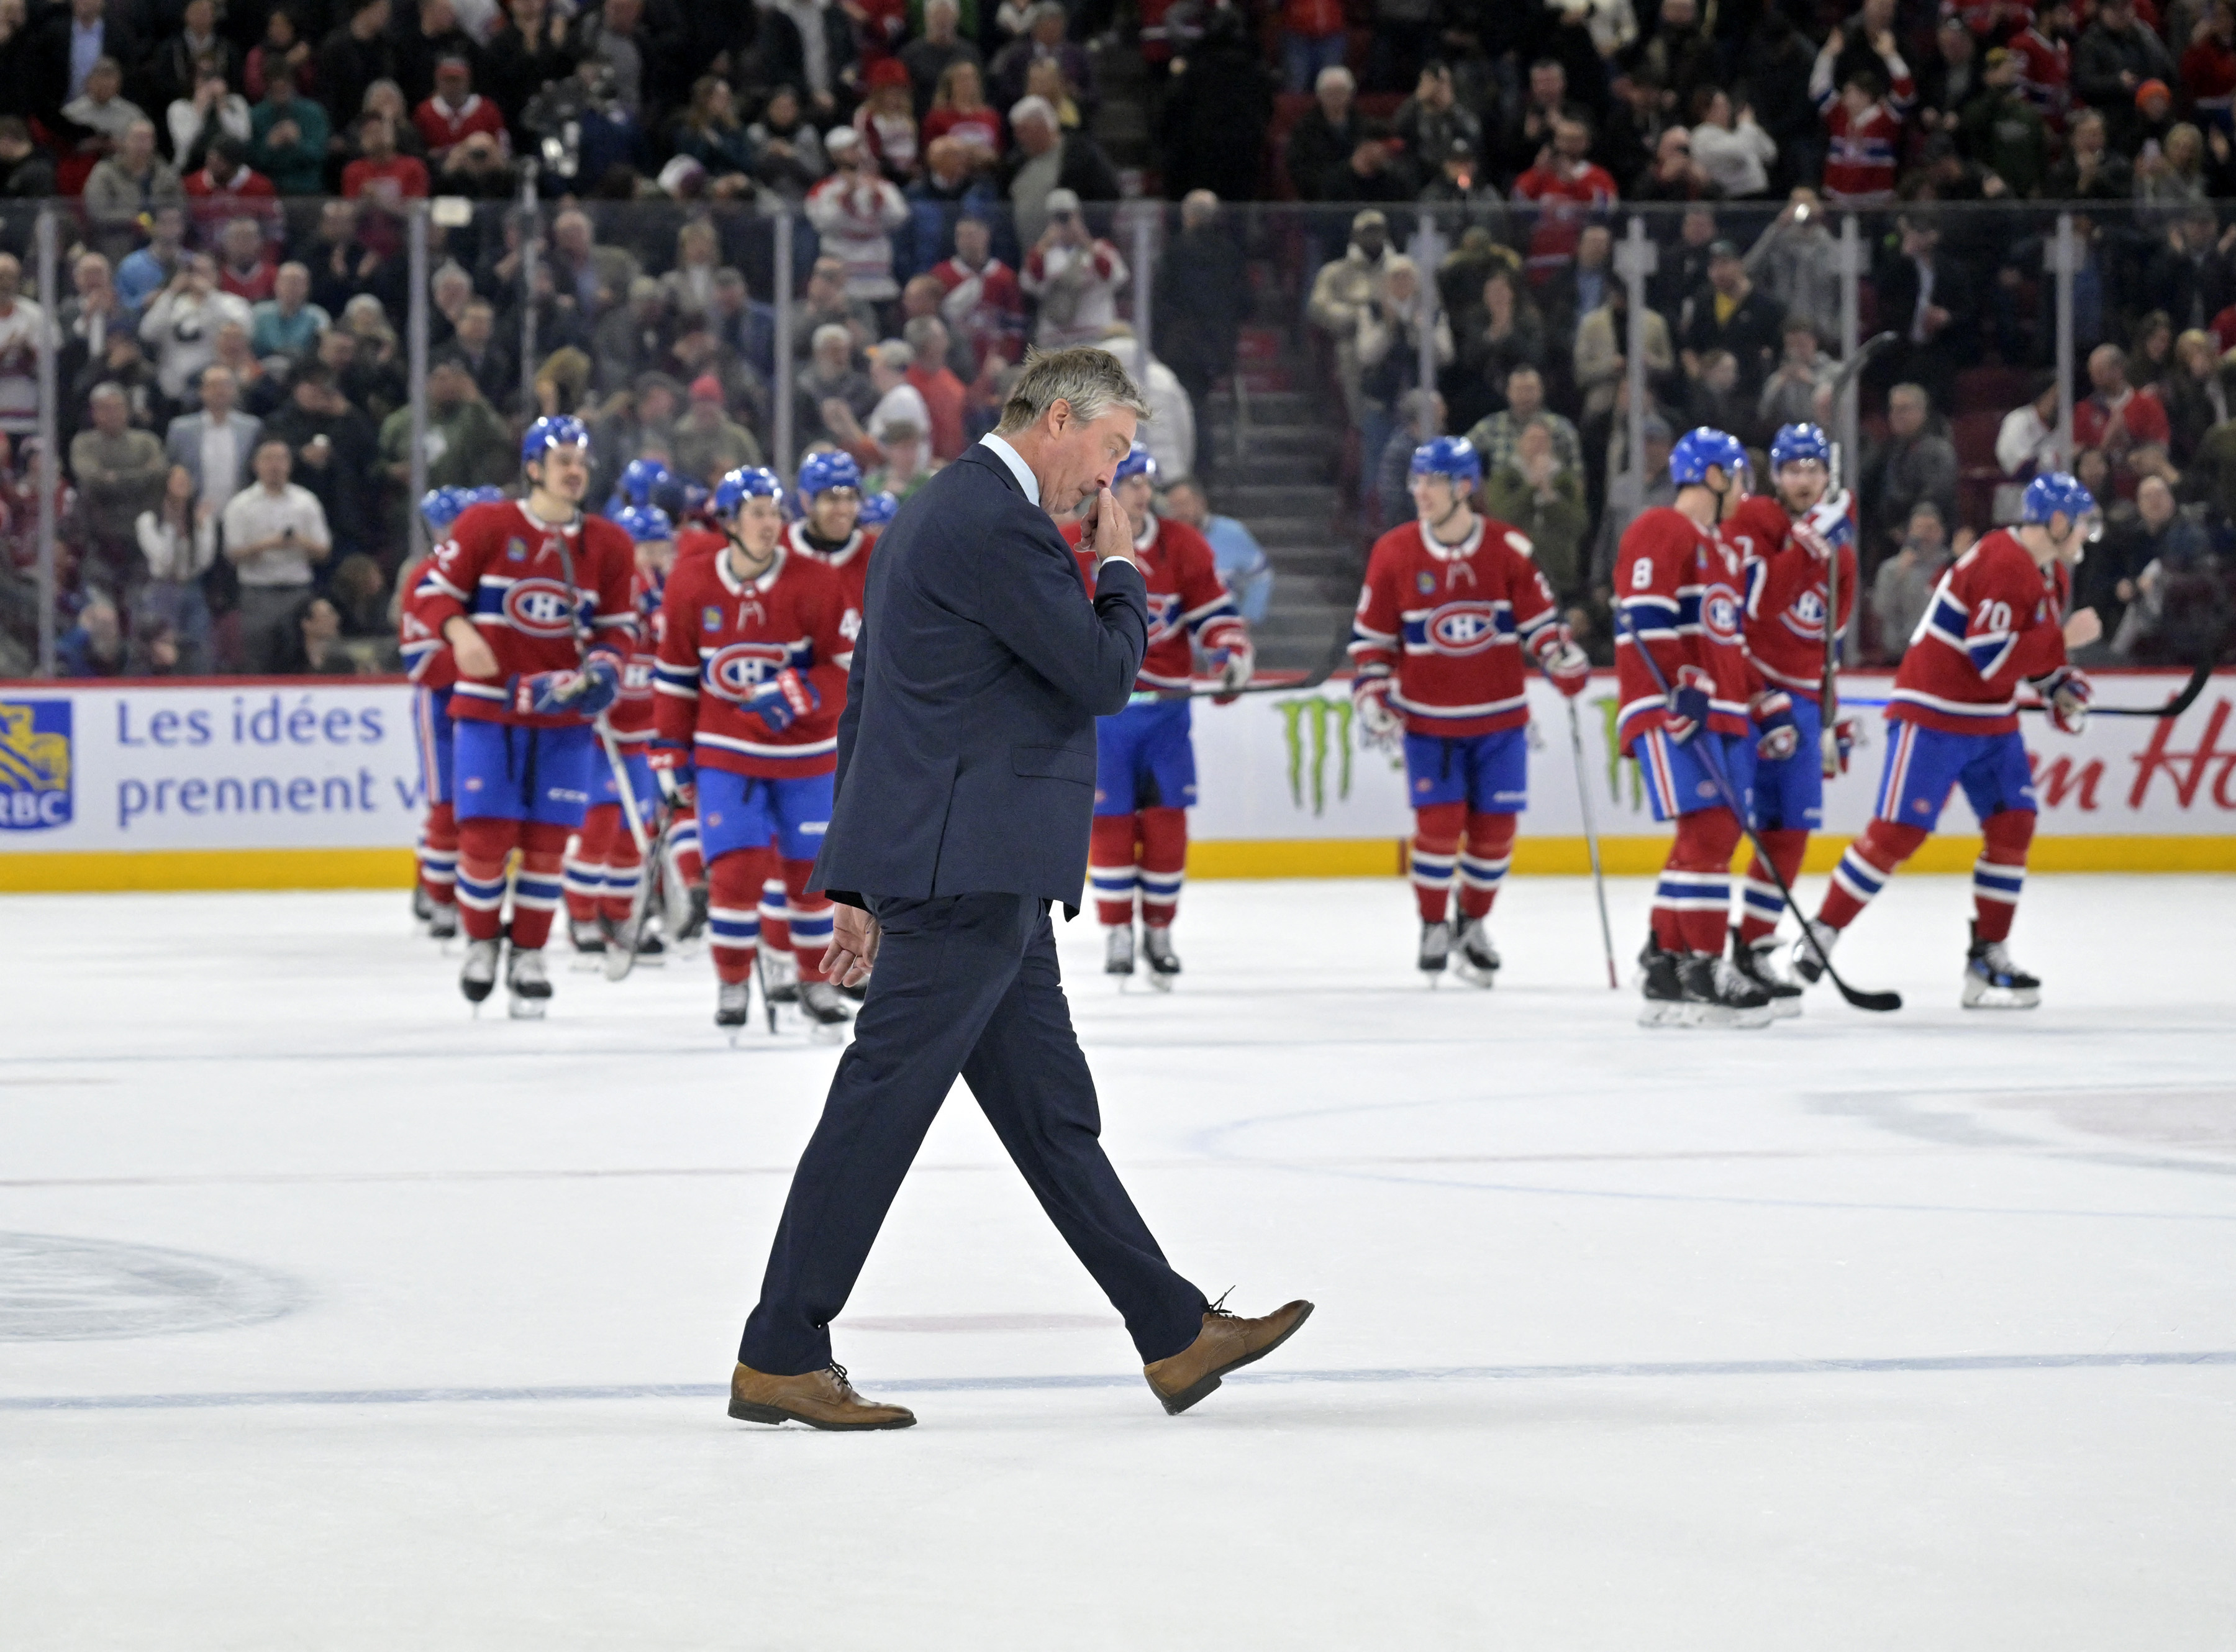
column 274, row 530
column 179, row 328
column 1076, row 275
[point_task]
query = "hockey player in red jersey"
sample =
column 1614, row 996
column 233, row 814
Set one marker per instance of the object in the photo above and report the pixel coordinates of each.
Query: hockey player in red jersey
column 1696, row 716
column 1452, row 613
column 1787, row 542
column 533, row 598
column 427, row 661
column 754, row 646
column 1997, row 619
column 688, row 921
column 601, row 874
column 1144, row 759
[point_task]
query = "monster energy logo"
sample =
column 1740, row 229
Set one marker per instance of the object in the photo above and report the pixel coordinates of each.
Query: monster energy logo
column 1617, row 764
column 1330, row 725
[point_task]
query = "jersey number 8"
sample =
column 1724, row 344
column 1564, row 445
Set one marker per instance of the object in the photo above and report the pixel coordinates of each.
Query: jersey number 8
column 1641, row 574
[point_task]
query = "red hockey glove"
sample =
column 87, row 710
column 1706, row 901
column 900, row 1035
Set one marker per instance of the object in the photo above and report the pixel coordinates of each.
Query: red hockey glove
column 1380, row 727
column 1772, row 711
column 1826, row 527
column 785, row 699
column 1568, row 666
column 671, row 765
column 2066, row 693
column 586, row 693
column 1688, row 706
column 1839, row 744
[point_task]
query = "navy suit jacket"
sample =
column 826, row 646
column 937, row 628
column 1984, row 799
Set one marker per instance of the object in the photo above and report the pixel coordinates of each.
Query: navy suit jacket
column 966, row 752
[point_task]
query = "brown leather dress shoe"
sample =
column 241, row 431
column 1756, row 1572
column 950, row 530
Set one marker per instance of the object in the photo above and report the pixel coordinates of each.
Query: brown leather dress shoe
column 820, row 1398
column 1227, row 1343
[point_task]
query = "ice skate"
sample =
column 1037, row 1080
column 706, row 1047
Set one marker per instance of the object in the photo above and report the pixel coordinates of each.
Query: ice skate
column 733, row 1006
column 588, row 936
column 423, row 905
column 1809, row 960
column 443, row 925
column 1118, row 951
column 1157, row 948
column 694, row 913
column 527, row 988
column 1664, row 993
column 478, row 978
column 1720, row 996
column 1758, row 964
column 781, row 976
column 1436, row 950
column 1993, row 982
column 1477, row 961
column 651, row 949
column 826, row 1013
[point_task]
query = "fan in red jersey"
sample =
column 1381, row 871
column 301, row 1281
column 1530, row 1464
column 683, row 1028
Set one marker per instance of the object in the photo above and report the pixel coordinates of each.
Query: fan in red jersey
column 1696, row 716
column 754, row 645
column 534, row 599
column 1452, row 608
column 1787, row 543
column 1144, row 759
column 1998, row 618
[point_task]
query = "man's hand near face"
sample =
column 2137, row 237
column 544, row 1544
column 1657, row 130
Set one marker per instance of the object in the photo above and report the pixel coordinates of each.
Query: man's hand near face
column 1108, row 532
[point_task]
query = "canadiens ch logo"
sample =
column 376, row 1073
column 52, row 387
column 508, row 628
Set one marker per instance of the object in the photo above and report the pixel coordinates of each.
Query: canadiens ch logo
column 35, row 764
column 733, row 673
column 1164, row 608
column 539, row 608
column 1720, row 614
column 1463, row 628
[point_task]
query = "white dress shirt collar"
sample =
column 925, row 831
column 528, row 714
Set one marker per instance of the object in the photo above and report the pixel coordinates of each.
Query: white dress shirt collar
column 1019, row 468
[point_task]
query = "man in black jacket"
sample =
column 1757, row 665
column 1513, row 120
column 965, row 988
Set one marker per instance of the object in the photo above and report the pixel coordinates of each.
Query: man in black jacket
column 1324, row 135
column 964, row 795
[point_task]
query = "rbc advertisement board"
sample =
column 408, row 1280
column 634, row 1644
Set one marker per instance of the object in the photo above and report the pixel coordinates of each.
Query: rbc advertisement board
column 225, row 766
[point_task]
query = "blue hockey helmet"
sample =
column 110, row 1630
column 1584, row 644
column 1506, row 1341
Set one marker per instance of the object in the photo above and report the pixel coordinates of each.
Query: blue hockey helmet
column 1449, row 455
column 878, row 508
column 561, row 430
column 640, row 478
column 486, row 495
column 1796, row 443
column 645, row 522
column 1137, row 462
column 821, row 473
column 440, row 507
column 1699, row 450
column 2053, row 491
column 748, row 482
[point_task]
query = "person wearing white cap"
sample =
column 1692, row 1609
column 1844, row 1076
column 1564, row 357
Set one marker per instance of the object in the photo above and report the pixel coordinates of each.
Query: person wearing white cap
column 1074, row 275
column 856, row 211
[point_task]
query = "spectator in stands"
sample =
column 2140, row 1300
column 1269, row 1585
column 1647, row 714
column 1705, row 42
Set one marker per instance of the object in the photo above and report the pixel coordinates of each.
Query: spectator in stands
column 1567, row 189
column 1047, row 158
column 24, row 326
column 146, row 271
column 828, row 300
column 378, row 380
column 950, row 187
column 179, row 328
column 1545, row 499
column 1324, row 135
column 2195, row 394
column 454, row 112
column 1927, row 297
column 282, row 45
column 1429, row 121
column 1948, row 79
column 1073, row 273
column 632, row 337
column 215, row 446
column 2116, row 415
column 87, row 316
column 1603, row 345
column 173, row 70
column 927, row 57
column 1314, row 38
column 1390, row 343
column 2153, row 555
column 1217, row 108
column 1462, row 183
column 288, row 324
column 126, row 185
column 334, row 447
column 1902, row 588
column 225, row 184
column 120, row 472
column 466, row 443
column 64, row 44
column 985, row 306
column 707, row 442
column 528, row 49
column 1674, row 175
column 356, row 53
column 887, row 123
column 2002, row 130
column 1497, row 437
column 1243, row 565
column 944, row 394
column 1678, row 53
column 2150, row 359
column 959, row 110
column 2173, row 182
column 1729, row 313
column 1795, row 392
column 274, row 532
column 634, row 45
column 1863, row 133
column 380, row 174
column 2026, row 445
column 26, row 172
column 710, row 132
column 1917, row 461
column 1169, row 430
column 1343, row 292
column 1202, row 299
column 2191, row 276
column 830, row 388
column 898, row 399
column 1736, row 153
column 208, row 107
column 856, row 212
column 2113, row 58
column 177, row 537
column 1043, row 42
column 94, row 646
column 288, row 136
column 246, row 268
column 903, row 462
column 1500, row 331
column 590, row 274
column 102, row 109
column 789, row 149
column 2092, row 170
column 1624, row 501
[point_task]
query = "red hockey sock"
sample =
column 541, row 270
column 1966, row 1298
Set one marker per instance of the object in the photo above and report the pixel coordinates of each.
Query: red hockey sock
column 1110, row 869
column 438, row 854
column 624, row 866
column 536, row 885
column 776, row 909
column 1164, row 864
column 1999, row 875
column 1760, row 905
column 1696, row 885
column 582, row 869
column 1437, row 831
column 484, row 847
column 810, row 930
column 683, row 844
column 733, row 922
column 1863, row 871
column 1482, row 864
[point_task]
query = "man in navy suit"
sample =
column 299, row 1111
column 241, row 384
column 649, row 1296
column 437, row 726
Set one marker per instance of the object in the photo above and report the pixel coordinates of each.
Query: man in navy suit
column 965, row 789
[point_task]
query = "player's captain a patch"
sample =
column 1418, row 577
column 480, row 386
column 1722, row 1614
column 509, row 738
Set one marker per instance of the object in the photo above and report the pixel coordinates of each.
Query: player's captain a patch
column 34, row 765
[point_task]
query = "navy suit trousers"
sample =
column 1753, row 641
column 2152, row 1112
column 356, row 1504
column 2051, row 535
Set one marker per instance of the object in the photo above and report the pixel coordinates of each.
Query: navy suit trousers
column 964, row 985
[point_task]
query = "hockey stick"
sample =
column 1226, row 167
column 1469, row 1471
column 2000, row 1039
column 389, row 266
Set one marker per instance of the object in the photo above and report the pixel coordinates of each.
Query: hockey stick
column 1828, row 690
column 1592, row 844
column 2183, row 701
column 1308, row 680
column 1878, row 1002
column 761, row 979
column 621, row 958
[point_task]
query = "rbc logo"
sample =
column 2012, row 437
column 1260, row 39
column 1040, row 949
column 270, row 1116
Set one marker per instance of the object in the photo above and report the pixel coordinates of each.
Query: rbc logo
column 35, row 764
column 736, row 671
column 539, row 608
column 1463, row 628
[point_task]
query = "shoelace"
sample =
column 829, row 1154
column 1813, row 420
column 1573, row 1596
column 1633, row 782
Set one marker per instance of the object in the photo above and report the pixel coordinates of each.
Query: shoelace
column 838, row 1372
column 1220, row 1310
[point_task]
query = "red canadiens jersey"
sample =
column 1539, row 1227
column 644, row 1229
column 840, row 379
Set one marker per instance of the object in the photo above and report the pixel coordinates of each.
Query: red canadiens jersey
column 1453, row 625
column 1677, row 592
column 1189, row 607
column 1785, row 593
column 1995, row 618
column 631, row 715
column 721, row 640
column 850, row 561
column 427, row 658
column 501, row 568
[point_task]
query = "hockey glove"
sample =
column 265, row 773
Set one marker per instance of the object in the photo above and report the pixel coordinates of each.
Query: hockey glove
column 2067, row 693
column 1568, row 666
column 1839, row 746
column 1781, row 736
column 1234, row 662
column 785, row 699
column 1826, row 527
column 1688, row 703
column 586, row 692
column 1379, row 725
column 671, row 765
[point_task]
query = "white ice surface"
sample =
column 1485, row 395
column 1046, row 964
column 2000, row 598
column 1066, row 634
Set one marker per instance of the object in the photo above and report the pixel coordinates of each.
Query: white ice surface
column 1811, row 1338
